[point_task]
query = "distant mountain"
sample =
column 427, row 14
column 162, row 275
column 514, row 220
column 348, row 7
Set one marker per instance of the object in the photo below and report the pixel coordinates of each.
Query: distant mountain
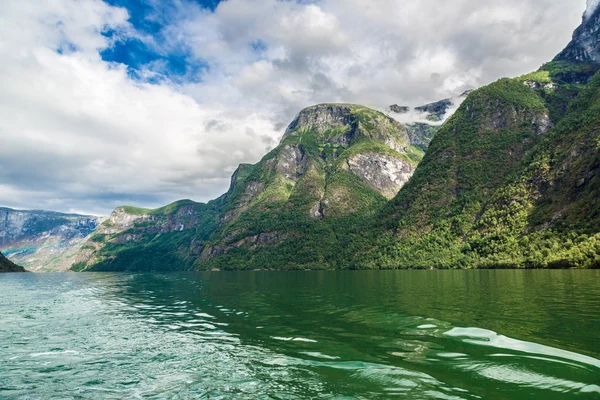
column 424, row 121
column 43, row 240
column 335, row 165
column 8, row 266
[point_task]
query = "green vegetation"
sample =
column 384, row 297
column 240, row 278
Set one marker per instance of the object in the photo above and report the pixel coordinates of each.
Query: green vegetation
column 421, row 134
column 136, row 210
column 511, row 180
column 8, row 266
column 508, row 197
column 299, row 207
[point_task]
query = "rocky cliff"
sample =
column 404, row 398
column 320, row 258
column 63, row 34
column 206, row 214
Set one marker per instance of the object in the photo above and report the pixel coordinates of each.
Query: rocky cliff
column 335, row 165
column 43, row 240
column 585, row 45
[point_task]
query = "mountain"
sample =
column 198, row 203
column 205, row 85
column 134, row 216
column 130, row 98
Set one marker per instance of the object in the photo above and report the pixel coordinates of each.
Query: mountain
column 585, row 46
column 8, row 266
column 512, row 179
column 427, row 119
column 298, row 207
column 43, row 240
column 421, row 134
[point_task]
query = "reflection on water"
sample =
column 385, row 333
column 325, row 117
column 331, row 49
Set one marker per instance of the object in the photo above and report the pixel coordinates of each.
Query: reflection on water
column 280, row 335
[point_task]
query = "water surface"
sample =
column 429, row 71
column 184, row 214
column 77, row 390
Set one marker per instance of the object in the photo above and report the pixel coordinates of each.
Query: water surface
column 288, row 335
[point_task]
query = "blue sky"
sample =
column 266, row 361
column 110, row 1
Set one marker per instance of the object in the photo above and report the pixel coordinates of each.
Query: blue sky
column 150, row 18
column 144, row 102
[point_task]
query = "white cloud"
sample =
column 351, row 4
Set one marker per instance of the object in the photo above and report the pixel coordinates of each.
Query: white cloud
column 592, row 5
column 79, row 134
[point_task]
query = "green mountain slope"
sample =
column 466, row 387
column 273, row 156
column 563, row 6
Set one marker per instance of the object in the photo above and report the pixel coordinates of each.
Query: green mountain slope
column 8, row 266
column 509, row 181
column 299, row 207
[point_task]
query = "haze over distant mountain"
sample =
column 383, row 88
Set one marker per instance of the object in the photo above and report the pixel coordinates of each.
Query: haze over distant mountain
column 43, row 240
column 8, row 266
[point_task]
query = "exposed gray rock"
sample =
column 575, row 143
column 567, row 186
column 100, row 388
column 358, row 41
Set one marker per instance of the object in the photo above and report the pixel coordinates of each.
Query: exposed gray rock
column 436, row 110
column 538, row 85
column 323, row 117
column 420, row 134
column 585, row 45
column 292, row 162
column 399, row 109
column 507, row 118
column 384, row 173
column 344, row 121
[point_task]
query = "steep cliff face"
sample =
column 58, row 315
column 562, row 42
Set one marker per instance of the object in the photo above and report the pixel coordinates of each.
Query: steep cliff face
column 8, row 266
column 336, row 163
column 43, row 240
column 421, row 134
column 585, row 45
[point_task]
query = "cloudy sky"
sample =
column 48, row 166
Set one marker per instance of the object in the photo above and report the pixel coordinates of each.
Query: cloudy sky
column 143, row 102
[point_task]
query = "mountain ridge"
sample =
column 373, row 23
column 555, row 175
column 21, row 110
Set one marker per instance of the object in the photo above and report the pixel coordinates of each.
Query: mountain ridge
column 333, row 162
column 44, row 240
column 510, row 180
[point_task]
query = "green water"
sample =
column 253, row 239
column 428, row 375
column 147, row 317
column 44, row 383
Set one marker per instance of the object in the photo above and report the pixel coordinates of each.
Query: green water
column 290, row 335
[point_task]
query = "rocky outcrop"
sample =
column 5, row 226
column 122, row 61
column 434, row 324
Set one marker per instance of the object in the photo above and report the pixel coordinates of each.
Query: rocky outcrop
column 436, row 111
column 43, row 240
column 420, row 134
column 384, row 173
column 585, row 45
column 322, row 118
column 510, row 117
column 395, row 108
column 341, row 124
column 292, row 162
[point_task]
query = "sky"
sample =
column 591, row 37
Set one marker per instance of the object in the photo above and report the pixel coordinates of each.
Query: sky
column 144, row 102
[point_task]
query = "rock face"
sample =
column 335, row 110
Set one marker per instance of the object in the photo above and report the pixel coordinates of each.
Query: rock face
column 420, row 133
column 511, row 179
column 8, row 266
column 336, row 163
column 43, row 240
column 395, row 108
column 585, row 45
column 383, row 173
column 436, row 111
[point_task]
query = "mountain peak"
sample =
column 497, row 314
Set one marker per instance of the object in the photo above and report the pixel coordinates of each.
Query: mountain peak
column 322, row 118
column 585, row 45
column 346, row 124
